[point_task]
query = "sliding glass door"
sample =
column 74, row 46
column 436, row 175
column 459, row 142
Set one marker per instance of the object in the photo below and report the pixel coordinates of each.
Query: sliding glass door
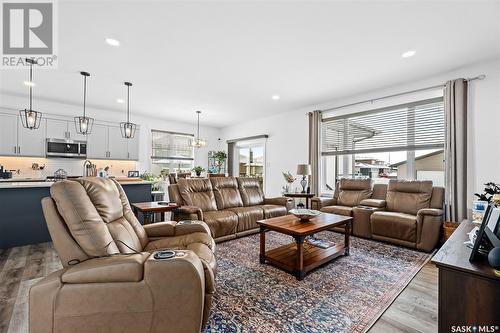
column 250, row 157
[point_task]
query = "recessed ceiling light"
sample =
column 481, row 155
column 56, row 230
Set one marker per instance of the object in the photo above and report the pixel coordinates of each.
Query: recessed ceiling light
column 29, row 83
column 275, row 97
column 112, row 42
column 408, row 54
column 119, row 100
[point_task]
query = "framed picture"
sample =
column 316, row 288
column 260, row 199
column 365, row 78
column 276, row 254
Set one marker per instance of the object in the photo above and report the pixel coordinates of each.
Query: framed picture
column 133, row 174
column 488, row 231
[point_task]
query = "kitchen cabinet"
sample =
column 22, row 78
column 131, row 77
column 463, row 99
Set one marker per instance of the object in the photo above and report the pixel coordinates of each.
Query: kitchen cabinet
column 97, row 142
column 31, row 142
column 63, row 129
column 117, row 144
column 15, row 140
column 106, row 142
column 8, row 134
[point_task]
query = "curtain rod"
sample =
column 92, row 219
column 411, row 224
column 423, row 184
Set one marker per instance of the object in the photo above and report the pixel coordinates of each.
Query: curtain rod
column 479, row 77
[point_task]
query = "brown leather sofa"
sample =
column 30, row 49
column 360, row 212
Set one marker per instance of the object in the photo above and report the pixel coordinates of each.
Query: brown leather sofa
column 230, row 206
column 407, row 213
column 110, row 281
column 413, row 215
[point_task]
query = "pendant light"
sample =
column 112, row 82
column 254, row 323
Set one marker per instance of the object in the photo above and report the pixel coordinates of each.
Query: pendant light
column 198, row 142
column 84, row 124
column 30, row 118
column 128, row 128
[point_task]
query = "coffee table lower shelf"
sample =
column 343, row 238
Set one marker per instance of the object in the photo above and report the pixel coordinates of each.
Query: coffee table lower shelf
column 286, row 257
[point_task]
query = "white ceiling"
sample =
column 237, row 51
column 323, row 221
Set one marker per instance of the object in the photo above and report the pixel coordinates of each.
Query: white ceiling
column 228, row 58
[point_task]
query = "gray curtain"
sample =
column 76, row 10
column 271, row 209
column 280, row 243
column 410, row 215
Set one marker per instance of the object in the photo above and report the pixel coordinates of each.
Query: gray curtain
column 455, row 108
column 314, row 161
column 230, row 159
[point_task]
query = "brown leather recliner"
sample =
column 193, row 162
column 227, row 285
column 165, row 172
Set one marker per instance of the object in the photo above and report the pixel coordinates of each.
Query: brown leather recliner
column 110, row 281
column 230, row 206
column 413, row 216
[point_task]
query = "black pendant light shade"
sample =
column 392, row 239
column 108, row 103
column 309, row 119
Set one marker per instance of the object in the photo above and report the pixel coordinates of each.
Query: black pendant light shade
column 30, row 118
column 198, row 142
column 128, row 128
column 83, row 124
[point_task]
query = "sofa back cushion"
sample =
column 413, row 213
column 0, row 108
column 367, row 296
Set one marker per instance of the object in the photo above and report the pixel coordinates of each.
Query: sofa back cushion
column 250, row 191
column 408, row 196
column 352, row 191
column 226, row 192
column 98, row 216
column 174, row 195
column 197, row 192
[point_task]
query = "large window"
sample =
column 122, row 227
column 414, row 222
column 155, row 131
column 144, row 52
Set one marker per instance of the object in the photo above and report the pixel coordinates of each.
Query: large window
column 399, row 142
column 171, row 152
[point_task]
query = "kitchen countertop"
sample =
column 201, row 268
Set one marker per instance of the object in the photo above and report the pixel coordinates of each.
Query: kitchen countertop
column 31, row 183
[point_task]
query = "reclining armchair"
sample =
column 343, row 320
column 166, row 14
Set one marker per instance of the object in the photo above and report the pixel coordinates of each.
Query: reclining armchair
column 110, row 280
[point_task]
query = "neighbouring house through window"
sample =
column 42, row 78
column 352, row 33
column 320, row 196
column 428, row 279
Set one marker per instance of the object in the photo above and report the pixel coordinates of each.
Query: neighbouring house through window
column 404, row 141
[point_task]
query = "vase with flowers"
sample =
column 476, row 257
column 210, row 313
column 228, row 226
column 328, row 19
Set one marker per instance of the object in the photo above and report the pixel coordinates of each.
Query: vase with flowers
column 289, row 179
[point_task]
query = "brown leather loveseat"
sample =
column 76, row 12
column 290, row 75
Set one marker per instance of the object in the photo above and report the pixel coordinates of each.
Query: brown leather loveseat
column 230, row 206
column 407, row 213
column 110, row 281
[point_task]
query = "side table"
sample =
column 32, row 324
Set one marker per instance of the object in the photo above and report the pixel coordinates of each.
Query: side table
column 148, row 209
column 307, row 196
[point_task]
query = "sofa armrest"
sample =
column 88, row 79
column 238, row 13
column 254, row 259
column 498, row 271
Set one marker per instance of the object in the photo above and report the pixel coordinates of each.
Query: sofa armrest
column 117, row 268
column 279, row 201
column 187, row 213
column 376, row 203
column 173, row 228
column 320, row 202
column 430, row 211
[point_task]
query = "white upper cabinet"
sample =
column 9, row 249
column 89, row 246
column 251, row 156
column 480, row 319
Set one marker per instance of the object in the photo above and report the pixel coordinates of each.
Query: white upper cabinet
column 31, row 142
column 57, row 129
column 133, row 146
column 8, row 134
column 118, row 149
column 74, row 135
column 97, row 142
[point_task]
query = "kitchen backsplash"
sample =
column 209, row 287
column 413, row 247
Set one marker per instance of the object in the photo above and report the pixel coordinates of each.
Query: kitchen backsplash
column 73, row 167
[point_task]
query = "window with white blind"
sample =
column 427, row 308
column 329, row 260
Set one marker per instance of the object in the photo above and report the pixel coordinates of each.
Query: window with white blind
column 401, row 141
column 171, row 151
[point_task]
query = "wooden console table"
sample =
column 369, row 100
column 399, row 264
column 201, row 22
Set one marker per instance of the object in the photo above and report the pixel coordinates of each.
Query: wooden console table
column 469, row 293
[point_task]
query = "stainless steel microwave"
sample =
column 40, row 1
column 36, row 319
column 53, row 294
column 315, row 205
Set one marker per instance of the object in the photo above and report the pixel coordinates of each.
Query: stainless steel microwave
column 66, row 148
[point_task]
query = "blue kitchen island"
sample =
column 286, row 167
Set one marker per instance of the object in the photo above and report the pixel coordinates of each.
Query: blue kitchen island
column 21, row 216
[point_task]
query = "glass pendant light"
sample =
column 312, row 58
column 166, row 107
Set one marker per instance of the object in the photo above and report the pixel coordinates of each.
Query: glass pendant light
column 128, row 128
column 30, row 118
column 84, row 124
column 198, row 142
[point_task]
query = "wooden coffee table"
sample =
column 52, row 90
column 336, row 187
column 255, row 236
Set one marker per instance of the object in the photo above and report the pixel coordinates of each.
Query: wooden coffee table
column 299, row 258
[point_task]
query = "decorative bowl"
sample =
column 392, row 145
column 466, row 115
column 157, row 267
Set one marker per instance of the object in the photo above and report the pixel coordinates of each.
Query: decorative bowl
column 304, row 214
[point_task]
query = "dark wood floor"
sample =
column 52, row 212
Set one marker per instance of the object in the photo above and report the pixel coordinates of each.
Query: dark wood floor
column 415, row 309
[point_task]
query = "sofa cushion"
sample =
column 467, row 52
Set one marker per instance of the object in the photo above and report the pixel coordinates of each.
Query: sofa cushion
column 352, row 191
column 197, row 192
column 273, row 210
column 394, row 225
column 226, row 192
column 221, row 222
column 408, row 196
column 340, row 210
column 250, row 190
column 248, row 217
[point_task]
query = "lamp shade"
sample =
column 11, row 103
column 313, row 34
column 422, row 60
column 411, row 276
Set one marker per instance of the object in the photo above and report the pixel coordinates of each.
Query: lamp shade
column 303, row 169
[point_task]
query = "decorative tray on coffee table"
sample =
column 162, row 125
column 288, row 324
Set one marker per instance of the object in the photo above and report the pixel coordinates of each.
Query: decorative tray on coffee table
column 304, row 214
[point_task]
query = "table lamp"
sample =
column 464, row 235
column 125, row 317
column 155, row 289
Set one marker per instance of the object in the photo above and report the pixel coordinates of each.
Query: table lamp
column 303, row 170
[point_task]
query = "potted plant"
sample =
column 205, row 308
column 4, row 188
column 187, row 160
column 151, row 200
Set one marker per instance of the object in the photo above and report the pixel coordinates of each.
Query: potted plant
column 491, row 192
column 220, row 157
column 198, row 170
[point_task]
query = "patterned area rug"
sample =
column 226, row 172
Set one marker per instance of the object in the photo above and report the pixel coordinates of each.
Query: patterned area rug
column 345, row 295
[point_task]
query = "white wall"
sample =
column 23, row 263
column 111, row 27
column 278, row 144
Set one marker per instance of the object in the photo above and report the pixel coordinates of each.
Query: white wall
column 52, row 108
column 288, row 132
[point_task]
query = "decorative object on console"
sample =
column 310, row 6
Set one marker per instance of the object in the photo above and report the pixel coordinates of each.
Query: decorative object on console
column 198, row 170
column 128, row 128
column 303, row 170
column 494, row 260
column 305, row 214
column 30, row 118
column 289, row 179
column 478, row 210
column 198, row 142
column 84, row 124
column 133, row 174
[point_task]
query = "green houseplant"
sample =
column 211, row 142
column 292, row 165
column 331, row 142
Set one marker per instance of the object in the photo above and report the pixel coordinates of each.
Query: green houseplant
column 220, row 157
column 198, row 170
